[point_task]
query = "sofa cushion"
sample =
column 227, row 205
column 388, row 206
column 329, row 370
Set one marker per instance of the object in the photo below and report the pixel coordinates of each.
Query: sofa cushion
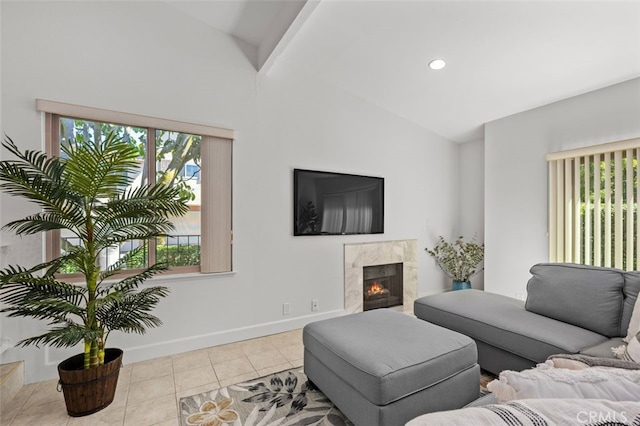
column 603, row 349
column 503, row 322
column 386, row 355
column 587, row 296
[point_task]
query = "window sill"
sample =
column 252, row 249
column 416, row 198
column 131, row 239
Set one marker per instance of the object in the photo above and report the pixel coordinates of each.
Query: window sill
column 189, row 276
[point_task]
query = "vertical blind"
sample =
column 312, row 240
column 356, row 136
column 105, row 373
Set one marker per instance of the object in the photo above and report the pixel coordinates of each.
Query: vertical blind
column 593, row 208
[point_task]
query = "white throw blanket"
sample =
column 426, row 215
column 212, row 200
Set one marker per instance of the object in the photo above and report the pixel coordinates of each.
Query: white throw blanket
column 614, row 384
column 538, row 412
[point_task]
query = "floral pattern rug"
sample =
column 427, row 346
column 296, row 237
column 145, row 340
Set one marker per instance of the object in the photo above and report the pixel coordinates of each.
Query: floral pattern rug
column 283, row 399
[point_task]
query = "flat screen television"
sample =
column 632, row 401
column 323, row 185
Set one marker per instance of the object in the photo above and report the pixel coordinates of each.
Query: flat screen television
column 328, row 203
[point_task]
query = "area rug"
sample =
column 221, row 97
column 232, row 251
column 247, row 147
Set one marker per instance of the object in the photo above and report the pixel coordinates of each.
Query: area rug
column 287, row 398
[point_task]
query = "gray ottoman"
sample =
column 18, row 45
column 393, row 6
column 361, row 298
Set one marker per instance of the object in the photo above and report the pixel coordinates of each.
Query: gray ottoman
column 383, row 367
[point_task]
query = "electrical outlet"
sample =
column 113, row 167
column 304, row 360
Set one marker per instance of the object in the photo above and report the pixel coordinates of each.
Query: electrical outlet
column 521, row 296
column 314, row 305
column 286, row 308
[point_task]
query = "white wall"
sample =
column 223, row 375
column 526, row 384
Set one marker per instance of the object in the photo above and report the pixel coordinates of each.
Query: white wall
column 471, row 197
column 516, row 173
column 143, row 57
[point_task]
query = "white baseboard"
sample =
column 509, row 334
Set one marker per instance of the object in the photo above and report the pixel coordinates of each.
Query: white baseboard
column 191, row 343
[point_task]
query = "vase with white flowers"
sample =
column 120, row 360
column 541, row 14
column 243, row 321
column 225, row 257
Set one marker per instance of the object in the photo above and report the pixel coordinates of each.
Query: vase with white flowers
column 459, row 260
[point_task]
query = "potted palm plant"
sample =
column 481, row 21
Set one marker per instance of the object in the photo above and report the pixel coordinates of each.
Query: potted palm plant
column 459, row 260
column 89, row 192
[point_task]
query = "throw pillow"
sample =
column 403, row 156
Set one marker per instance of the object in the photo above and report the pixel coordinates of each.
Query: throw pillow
column 634, row 323
column 614, row 384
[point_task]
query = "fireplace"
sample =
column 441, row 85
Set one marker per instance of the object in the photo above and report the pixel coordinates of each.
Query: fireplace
column 382, row 286
column 358, row 256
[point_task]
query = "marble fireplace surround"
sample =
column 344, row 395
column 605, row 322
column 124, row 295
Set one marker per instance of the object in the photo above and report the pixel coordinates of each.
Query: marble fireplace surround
column 359, row 255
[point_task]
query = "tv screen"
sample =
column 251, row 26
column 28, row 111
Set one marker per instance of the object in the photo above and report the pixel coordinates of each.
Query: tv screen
column 337, row 204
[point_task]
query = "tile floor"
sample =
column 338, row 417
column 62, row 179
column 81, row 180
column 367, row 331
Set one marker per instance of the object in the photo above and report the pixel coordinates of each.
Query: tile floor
column 148, row 392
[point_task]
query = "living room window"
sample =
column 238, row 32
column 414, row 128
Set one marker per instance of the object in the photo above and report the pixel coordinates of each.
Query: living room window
column 193, row 157
column 593, row 205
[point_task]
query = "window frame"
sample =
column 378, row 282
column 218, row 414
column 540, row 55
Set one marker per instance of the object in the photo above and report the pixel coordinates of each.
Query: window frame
column 216, row 158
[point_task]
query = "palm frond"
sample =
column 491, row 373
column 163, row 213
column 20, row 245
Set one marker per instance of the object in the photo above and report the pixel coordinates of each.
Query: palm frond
column 41, row 297
column 35, row 162
column 131, row 313
column 49, row 310
column 65, row 335
column 157, row 201
column 125, row 229
column 36, row 178
column 120, row 263
column 128, row 284
column 41, row 222
column 99, row 169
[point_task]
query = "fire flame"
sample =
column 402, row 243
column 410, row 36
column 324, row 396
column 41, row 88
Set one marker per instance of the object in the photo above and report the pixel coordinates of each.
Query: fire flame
column 376, row 288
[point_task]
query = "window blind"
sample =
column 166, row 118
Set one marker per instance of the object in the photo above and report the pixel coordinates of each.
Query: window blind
column 593, row 193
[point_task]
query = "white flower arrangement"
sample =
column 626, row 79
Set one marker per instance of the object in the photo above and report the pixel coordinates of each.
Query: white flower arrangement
column 458, row 260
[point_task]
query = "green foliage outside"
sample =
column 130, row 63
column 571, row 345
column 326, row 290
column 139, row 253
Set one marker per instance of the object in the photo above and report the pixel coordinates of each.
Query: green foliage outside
column 629, row 212
column 174, row 255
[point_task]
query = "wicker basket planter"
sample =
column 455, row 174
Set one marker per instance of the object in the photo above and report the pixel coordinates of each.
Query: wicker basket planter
column 89, row 391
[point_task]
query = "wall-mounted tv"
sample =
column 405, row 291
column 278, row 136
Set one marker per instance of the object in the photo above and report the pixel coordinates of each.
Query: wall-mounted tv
column 328, row 203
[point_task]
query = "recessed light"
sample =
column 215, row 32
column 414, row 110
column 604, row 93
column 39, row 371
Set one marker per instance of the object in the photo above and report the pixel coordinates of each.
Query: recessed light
column 437, row 64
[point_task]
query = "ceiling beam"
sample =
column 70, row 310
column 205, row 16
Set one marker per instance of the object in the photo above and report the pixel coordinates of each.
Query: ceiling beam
column 287, row 24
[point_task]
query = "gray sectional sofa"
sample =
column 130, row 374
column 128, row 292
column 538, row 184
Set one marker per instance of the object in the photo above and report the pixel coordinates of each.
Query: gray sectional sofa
column 570, row 308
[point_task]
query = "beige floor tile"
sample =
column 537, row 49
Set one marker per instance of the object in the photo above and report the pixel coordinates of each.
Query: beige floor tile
column 284, row 339
column 291, row 352
column 148, row 392
column 111, row 416
column 120, row 398
column 151, row 369
column 239, row 379
column 225, row 353
column 50, row 414
column 45, row 393
column 274, row 369
column 123, row 386
column 297, row 362
column 194, row 377
column 256, row 346
column 17, row 402
column 190, row 360
column 125, row 376
column 170, row 422
column 266, row 359
column 151, row 412
column 235, row 367
column 296, row 334
column 150, row 389
column 196, row 390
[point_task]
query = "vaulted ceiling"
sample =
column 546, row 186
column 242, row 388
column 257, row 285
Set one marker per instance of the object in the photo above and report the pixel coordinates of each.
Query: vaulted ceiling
column 503, row 57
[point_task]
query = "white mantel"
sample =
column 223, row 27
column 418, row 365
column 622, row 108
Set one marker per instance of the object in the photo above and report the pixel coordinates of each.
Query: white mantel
column 359, row 255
